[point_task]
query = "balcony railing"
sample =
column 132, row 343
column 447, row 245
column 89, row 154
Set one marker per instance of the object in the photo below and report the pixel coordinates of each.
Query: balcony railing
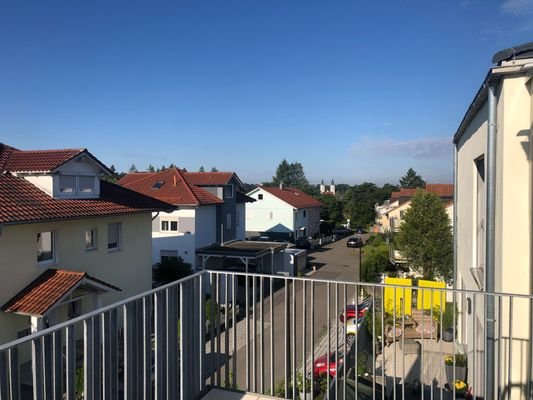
column 278, row 336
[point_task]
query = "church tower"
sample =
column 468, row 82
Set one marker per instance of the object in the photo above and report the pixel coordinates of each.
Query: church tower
column 332, row 188
column 322, row 187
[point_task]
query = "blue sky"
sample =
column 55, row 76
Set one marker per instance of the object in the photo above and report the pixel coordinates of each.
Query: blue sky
column 355, row 91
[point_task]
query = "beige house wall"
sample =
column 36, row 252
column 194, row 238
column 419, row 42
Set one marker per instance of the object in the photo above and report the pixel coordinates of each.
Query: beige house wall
column 129, row 268
column 513, row 263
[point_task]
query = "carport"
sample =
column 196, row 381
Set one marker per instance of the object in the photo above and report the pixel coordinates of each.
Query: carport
column 246, row 251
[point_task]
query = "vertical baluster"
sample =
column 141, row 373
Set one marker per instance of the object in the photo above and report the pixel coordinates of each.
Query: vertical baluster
column 97, row 357
column 336, row 349
column 328, row 318
column 13, row 377
column 57, row 363
column 312, row 333
column 510, row 371
column 234, row 330
column 226, row 333
column 262, row 339
column 304, row 320
column 293, row 335
column 218, row 301
column 70, row 364
column 37, row 368
column 4, row 383
column 88, row 359
column 48, row 379
column 344, row 353
column 254, row 335
column 147, row 346
column 129, row 375
column 287, row 339
column 160, row 381
column 271, row 302
column 247, row 332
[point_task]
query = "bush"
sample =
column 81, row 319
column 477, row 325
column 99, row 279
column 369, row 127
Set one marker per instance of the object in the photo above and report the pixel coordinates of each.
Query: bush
column 368, row 321
column 378, row 240
column 374, row 264
column 171, row 269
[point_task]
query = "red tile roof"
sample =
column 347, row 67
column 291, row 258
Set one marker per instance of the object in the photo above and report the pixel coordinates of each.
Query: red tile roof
column 173, row 188
column 440, row 189
column 293, row 196
column 47, row 290
column 5, row 152
column 208, row 178
column 22, row 202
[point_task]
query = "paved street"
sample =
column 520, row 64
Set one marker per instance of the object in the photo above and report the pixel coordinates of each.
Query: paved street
column 333, row 262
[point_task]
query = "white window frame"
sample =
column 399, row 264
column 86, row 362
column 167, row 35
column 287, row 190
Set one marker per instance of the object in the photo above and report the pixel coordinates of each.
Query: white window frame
column 93, row 245
column 119, row 238
column 76, row 190
column 52, row 260
column 163, row 223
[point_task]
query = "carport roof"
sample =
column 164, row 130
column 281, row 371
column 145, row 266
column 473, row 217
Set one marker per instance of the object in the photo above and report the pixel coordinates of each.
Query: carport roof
column 241, row 248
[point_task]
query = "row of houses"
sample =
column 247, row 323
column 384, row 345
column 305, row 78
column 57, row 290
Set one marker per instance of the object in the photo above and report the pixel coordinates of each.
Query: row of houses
column 72, row 242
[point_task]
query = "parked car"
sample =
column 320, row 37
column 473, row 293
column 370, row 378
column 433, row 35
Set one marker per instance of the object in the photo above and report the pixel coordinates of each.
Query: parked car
column 302, row 243
column 361, row 309
column 352, row 327
column 342, row 231
column 321, row 364
column 354, row 241
column 359, row 230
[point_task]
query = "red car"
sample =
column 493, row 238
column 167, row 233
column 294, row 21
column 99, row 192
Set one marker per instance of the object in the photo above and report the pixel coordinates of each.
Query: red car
column 321, row 364
column 361, row 310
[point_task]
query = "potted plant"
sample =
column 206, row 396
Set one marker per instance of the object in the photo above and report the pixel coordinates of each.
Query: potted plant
column 460, row 388
column 448, row 324
column 459, row 362
column 303, row 390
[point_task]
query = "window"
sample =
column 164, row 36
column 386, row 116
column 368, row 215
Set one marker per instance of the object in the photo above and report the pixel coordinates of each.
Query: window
column 45, row 247
column 271, row 215
column 260, row 197
column 74, row 309
column 67, row 184
column 158, row 185
column 305, row 213
column 169, row 226
column 86, row 184
column 70, row 185
column 91, row 239
column 228, row 221
column 169, row 255
column 114, row 233
column 228, row 191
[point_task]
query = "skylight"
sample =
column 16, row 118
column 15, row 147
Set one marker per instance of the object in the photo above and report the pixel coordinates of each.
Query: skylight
column 158, row 185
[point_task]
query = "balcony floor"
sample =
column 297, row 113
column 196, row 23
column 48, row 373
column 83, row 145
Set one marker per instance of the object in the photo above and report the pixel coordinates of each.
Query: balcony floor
column 220, row 394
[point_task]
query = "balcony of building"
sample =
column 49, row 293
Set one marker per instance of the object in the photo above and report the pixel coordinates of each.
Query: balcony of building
column 222, row 335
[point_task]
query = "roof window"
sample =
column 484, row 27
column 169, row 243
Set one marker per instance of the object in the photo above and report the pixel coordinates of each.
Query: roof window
column 158, row 185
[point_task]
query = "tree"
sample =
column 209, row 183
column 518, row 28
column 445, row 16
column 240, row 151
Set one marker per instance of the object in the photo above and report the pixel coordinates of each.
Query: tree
column 331, row 209
column 425, row 237
column 171, row 269
column 214, row 169
column 202, row 169
column 151, row 168
column 411, row 180
column 132, row 169
column 291, row 175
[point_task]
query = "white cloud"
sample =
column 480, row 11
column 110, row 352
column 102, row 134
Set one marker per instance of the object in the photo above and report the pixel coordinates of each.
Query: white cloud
column 517, row 7
column 422, row 148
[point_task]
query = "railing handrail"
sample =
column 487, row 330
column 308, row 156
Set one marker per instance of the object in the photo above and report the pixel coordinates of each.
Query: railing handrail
column 371, row 284
column 113, row 306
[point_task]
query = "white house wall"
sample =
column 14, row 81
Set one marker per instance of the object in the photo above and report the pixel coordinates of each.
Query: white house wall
column 129, row 268
column 184, row 241
column 513, row 217
column 269, row 214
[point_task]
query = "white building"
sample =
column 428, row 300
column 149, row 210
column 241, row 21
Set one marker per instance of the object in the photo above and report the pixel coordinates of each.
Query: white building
column 282, row 211
column 70, row 242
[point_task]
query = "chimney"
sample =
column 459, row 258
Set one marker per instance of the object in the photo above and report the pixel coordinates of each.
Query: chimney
column 175, row 180
column 281, row 185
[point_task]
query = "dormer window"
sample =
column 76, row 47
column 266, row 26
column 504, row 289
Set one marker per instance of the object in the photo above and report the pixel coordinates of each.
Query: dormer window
column 67, row 184
column 77, row 185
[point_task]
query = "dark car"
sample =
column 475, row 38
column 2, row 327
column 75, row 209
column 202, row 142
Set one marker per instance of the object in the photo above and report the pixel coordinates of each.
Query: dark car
column 354, row 241
column 302, row 243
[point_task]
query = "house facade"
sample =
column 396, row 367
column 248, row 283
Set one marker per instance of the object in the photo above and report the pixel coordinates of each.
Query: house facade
column 493, row 214
column 191, row 226
column 231, row 213
column 70, row 241
column 284, row 211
